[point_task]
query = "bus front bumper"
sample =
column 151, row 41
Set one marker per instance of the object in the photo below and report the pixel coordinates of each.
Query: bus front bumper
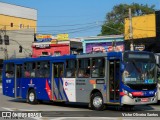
column 126, row 100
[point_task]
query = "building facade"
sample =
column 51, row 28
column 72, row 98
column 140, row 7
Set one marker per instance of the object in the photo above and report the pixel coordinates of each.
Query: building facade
column 19, row 24
column 48, row 45
column 15, row 17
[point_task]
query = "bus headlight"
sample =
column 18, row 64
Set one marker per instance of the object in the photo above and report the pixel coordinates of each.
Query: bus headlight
column 155, row 94
column 125, row 92
column 130, row 95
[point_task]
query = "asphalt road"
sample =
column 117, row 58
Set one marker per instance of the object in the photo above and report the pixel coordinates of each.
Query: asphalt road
column 72, row 111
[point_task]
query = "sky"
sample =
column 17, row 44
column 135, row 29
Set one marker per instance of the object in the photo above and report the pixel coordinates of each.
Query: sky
column 78, row 18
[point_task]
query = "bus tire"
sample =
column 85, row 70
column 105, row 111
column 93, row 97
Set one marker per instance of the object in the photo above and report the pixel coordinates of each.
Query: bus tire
column 96, row 101
column 32, row 97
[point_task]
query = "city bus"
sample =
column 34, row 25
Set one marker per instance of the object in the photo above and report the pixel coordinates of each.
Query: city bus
column 113, row 78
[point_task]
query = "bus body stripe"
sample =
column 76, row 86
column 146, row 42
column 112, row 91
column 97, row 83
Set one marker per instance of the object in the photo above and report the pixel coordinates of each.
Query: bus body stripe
column 64, row 90
column 56, row 81
column 54, row 97
column 48, row 90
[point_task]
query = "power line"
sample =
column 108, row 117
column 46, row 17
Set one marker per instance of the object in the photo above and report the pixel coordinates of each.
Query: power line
column 64, row 25
column 73, row 30
column 21, row 45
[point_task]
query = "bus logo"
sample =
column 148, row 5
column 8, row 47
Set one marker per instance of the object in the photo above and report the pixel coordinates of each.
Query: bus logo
column 31, row 83
column 66, row 83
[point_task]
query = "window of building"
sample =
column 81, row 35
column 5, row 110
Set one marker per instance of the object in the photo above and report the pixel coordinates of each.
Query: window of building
column 57, row 53
column 44, row 53
column 98, row 67
column 28, row 26
column 9, row 70
column 21, row 26
column 71, row 67
column 84, row 67
column 11, row 24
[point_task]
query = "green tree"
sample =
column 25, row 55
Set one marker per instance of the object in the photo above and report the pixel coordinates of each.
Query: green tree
column 114, row 23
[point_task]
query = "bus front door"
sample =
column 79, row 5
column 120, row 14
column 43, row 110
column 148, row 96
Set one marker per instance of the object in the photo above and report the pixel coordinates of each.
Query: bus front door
column 58, row 71
column 18, row 80
column 114, row 80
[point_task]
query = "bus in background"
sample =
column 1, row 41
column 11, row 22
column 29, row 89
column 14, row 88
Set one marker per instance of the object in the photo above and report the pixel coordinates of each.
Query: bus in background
column 113, row 78
column 157, row 55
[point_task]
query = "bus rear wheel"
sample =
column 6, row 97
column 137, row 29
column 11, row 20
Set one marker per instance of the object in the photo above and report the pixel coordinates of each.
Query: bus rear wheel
column 32, row 97
column 96, row 101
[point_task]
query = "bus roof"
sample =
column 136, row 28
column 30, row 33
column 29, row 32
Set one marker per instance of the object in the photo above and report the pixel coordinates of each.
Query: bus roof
column 52, row 58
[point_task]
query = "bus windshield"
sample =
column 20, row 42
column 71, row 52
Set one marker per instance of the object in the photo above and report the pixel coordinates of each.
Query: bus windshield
column 138, row 72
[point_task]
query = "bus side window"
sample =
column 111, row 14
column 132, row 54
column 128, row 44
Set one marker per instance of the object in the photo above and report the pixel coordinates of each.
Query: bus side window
column 43, row 69
column 19, row 71
column 9, row 70
column 46, row 69
column 27, row 70
column 71, row 67
column 97, row 69
column 33, row 70
column 55, row 70
column 84, row 68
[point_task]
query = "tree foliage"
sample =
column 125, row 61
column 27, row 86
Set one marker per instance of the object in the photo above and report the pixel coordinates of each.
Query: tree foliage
column 114, row 23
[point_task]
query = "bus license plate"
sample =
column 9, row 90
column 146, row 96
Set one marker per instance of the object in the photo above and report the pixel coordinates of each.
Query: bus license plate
column 144, row 100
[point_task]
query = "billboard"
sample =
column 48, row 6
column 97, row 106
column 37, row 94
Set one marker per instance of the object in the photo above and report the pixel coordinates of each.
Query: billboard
column 62, row 37
column 104, row 47
column 43, row 38
column 142, row 26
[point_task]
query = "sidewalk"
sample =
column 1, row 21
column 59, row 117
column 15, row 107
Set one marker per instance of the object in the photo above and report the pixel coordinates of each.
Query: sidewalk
column 0, row 85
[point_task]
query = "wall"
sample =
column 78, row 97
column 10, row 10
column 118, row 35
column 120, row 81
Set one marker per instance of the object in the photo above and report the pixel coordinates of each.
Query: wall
column 143, row 27
column 6, row 21
column 64, row 49
column 24, row 38
column 18, row 11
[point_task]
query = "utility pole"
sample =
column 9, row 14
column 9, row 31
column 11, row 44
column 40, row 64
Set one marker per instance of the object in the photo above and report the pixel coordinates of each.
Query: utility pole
column 130, row 30
column 6, row 51
column 3, row 30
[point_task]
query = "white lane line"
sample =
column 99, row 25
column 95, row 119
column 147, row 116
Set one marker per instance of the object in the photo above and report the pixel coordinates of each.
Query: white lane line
column 9, row 109
column 95, row 118
column 16, row 109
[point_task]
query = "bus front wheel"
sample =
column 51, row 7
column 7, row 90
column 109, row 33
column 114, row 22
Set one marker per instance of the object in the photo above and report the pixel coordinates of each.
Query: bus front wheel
column 32, row 97
column 96, row 101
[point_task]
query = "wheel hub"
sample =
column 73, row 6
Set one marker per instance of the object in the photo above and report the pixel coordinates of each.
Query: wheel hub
column 97, row 101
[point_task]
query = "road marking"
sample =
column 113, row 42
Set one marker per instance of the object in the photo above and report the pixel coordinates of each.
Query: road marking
column 95, row 118
column 16, row 109
column 9, row 109
column 0, row 87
